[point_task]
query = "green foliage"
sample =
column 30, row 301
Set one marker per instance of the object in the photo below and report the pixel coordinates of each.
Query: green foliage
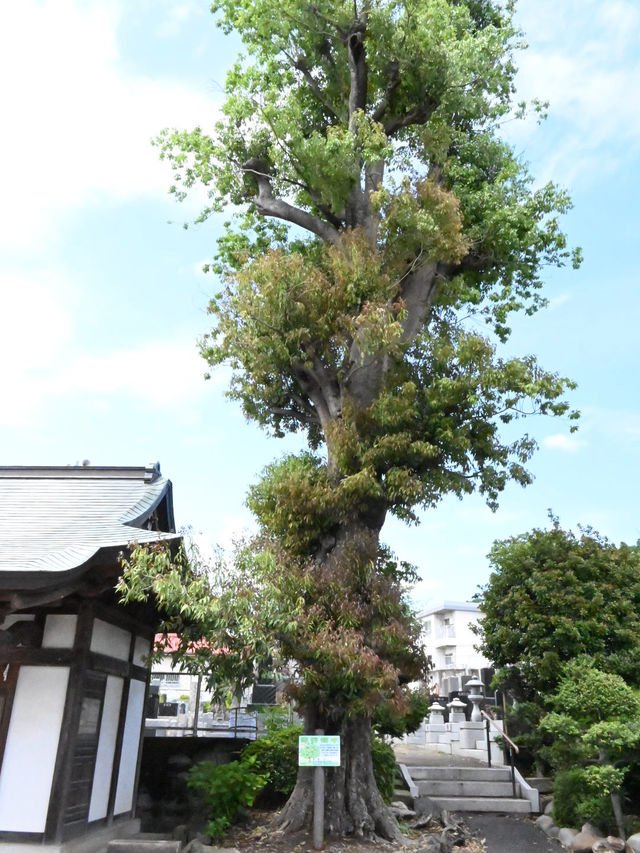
column 596, row 718
column 384, row 767
column 395, row 722
column 275, row 717
column 276, row 756
column 583, row 794
column 594, row 733
column 228, row 789
column 553, row 596
column 580, row 794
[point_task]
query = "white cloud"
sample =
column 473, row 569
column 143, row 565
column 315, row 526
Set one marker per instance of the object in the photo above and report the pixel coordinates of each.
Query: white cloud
column 558, row 301
column 583, row 59
column 566, row 443
column 40, row 362
column 35, row 316
column 77, row 127
column 154, row 371
column 175, row 14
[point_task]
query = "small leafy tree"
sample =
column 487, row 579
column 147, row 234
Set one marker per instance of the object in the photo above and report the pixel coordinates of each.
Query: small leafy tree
column 595, row 726
column 553, row 596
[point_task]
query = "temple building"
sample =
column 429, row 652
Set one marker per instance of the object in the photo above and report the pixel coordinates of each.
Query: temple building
column 73, row 659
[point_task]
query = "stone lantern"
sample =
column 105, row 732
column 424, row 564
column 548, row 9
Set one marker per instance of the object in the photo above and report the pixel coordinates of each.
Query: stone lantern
column 476, row 695
column 436, row 712
column 456, row 711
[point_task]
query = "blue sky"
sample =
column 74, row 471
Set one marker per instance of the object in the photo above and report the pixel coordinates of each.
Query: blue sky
column 103, row 300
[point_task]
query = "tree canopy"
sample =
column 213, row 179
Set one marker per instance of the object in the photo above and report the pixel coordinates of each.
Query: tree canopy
column 381, row 235
column 553, row 596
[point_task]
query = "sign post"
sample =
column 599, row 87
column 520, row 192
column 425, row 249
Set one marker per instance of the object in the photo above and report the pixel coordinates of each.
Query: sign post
column 318, row 751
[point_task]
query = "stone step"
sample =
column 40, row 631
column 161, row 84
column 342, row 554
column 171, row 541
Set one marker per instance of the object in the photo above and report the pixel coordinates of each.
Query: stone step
column 497, row 759
column 498, row 805
column 144, row 842
column 457, row 788
column 464, row 774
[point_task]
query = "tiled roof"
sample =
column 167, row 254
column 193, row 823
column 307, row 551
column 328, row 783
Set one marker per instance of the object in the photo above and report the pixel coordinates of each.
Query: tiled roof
column 53, row 520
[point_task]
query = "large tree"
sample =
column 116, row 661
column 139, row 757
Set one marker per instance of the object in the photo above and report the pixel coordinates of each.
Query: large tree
column 382, row 233
column 553, row 596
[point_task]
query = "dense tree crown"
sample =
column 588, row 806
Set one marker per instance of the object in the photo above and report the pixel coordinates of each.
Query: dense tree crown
column 373, row 128
column 383, row 234
column 553, row 596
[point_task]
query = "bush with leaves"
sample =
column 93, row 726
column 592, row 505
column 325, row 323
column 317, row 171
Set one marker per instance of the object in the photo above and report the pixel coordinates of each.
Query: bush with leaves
column 384, row 767
column 595, row 726
column 276, row 756
column 228, row 789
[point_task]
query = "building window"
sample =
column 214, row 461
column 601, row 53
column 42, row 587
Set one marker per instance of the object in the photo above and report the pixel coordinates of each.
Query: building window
column 448, row 659
column 427, row 627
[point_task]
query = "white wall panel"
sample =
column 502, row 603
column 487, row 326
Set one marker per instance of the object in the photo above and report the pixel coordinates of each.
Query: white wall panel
column 141, row 651
column 110, row 640
column 59, row 631
column 130, row 742
column 32, row 745
column 106, row 747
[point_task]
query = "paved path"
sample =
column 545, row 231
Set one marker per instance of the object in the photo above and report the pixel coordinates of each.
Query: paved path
column 507, row 834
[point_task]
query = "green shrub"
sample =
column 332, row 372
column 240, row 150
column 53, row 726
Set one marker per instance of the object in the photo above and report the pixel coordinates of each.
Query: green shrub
column 575, row 801
column 276, row 756
column 568, row 789
column 228, row 790
column 384, row 768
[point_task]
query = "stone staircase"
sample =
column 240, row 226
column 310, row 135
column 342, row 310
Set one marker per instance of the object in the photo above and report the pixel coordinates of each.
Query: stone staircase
column 470, row 789
column 145, row 842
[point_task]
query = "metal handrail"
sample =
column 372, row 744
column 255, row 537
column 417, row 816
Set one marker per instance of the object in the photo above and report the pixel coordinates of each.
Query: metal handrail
column 512, row 748
column 498, row 729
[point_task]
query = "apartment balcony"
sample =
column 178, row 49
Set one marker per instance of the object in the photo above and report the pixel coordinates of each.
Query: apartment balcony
column 443, row 636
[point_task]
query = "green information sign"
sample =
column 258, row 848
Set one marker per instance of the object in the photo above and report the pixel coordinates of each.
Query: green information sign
column 319, row 751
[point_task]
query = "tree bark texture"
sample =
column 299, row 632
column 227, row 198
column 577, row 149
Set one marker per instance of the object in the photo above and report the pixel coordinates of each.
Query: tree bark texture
column 353, row 805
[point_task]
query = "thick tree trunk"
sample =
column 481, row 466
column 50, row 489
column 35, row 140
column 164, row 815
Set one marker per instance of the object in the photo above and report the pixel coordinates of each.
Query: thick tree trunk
column 353, row 805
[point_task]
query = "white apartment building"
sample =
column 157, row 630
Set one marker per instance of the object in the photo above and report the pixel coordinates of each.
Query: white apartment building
column 450, row 641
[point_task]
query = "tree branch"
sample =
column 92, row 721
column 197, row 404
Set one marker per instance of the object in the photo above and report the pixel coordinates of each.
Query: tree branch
column 418, row 293
column 393, row 69
column 267, row 205
column 418, row 115
column 301, row 65
column 301, row 417
column 358, row 70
